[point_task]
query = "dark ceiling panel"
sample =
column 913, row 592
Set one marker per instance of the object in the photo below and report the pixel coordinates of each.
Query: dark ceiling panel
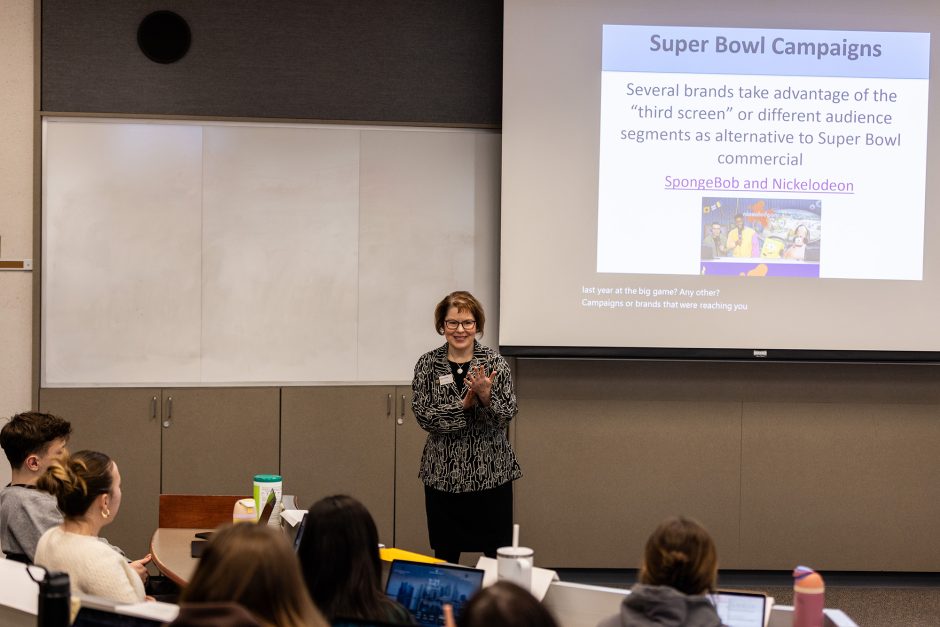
column 413, row 61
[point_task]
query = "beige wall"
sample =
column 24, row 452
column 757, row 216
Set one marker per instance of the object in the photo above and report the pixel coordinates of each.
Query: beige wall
column 831, row 465
column 16, row 206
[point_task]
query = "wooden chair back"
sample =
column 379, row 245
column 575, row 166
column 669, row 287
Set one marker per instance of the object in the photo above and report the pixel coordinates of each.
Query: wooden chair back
column 196, row 511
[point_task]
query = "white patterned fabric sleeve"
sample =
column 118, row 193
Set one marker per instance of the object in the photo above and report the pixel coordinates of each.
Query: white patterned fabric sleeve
column 439, row 413
column 115, row 580
column 502, row 406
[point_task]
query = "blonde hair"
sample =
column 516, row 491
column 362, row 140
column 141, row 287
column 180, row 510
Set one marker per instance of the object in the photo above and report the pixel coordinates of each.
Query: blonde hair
column 254, row 566
column 77, row 481
column 680, row 554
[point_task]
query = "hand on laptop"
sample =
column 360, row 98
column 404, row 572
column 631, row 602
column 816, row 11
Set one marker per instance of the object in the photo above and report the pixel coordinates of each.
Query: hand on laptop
column 449, row 616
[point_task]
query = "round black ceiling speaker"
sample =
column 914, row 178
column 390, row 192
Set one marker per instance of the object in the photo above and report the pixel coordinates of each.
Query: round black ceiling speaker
column 164, row 37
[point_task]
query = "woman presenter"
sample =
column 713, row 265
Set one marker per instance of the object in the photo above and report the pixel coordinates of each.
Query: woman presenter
column 463, row 397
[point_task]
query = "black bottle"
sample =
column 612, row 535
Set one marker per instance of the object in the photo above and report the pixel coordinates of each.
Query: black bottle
column 54, row 600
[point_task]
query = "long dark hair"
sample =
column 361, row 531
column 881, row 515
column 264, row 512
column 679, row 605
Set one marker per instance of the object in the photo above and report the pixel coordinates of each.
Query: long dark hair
column 339, row 557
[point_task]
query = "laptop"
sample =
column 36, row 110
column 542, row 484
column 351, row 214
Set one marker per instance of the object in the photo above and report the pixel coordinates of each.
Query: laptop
column 300, row 533
column 741, row 609
column 423, row 588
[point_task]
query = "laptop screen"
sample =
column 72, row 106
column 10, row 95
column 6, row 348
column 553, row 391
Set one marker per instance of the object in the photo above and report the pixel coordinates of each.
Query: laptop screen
column 740, row 609
column 300, row 533
column 423, row 589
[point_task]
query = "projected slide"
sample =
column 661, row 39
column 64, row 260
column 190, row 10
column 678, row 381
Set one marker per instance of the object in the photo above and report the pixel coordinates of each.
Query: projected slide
column 762, row 153
column 754, row 187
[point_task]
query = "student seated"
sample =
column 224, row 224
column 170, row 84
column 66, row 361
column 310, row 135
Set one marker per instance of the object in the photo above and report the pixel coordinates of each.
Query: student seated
column 339, row 556
column 253, row 566
column 87, row 488
column 504, row 604
column 679, row 570
column 31, row 441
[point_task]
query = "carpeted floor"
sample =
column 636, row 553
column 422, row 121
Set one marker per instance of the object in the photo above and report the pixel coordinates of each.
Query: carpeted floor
column 876, row 606
column 870, row 599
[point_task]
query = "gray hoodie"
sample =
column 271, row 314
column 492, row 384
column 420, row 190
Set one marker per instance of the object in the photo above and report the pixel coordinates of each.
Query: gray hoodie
column 662, row 606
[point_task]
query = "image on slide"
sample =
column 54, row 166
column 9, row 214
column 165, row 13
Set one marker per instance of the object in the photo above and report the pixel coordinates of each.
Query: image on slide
column 701, row 124
column 761, row 236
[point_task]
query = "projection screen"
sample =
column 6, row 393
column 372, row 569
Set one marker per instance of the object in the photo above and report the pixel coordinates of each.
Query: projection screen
column 721, row 180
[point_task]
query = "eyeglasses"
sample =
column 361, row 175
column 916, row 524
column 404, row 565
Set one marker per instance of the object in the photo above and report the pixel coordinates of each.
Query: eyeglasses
column 468, row 325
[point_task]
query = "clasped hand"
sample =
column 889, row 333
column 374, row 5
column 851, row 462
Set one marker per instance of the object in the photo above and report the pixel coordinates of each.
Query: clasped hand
column 140, row 567
column 479, row 386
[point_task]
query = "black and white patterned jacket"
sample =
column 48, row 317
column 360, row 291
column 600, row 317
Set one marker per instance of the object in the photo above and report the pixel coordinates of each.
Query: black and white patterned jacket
column 466, row 450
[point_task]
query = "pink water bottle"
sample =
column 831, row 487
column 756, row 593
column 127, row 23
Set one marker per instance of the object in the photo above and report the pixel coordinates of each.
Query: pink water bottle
column 809, row 597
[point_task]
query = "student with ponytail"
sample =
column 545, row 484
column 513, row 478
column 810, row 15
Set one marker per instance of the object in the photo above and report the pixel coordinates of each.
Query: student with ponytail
column 87, row 487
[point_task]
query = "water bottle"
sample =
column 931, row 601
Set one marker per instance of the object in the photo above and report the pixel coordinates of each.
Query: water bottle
column 54, row 600
column 808, row 597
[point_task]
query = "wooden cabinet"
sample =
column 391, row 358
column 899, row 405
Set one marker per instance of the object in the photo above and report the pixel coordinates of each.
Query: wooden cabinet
column 216, row 439
column 341, row 440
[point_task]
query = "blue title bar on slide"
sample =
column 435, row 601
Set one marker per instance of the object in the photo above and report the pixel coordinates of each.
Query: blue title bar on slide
column 770, row 52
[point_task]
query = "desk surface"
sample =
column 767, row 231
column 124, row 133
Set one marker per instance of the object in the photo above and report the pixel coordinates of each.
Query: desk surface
column 171, row 553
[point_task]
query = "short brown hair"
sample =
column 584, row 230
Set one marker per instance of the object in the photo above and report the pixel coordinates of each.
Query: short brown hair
column 31, row 433
column 504, row 604
column 254, row 566
column 77, row 481
column 680, row 554
column 463, row 301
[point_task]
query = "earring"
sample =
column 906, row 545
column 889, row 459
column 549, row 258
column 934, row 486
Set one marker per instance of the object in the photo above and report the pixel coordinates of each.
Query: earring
column 106, row 513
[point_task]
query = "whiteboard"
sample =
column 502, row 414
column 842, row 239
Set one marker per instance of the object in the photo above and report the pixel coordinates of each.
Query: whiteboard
column 185, row 253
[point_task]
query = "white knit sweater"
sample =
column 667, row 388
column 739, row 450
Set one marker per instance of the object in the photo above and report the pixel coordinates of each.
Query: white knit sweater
column 92, row 566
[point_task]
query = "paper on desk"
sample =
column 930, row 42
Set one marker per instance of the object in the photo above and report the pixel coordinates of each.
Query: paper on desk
column 293, row 516
column 542, row 578
column 164, row 612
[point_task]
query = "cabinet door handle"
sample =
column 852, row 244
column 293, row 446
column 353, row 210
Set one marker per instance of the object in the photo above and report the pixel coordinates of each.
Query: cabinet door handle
column 153, row 407
column 169, row 412
column 388, row 405
column 401, row 416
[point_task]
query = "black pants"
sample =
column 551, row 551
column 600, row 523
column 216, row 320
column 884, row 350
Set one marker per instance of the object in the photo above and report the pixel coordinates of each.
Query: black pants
column 478, row 521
